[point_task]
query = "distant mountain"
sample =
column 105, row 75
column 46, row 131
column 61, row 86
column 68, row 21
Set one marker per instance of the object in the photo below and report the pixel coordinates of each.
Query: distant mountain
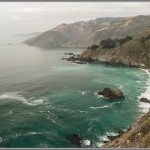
column 86, row 33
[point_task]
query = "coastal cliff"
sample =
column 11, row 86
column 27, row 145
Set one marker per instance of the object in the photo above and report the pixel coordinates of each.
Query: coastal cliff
column 137, row 136
column 132, row 51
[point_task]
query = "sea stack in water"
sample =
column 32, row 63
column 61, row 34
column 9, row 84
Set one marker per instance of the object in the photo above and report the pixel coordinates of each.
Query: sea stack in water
column 145, row 100
column 110, row 93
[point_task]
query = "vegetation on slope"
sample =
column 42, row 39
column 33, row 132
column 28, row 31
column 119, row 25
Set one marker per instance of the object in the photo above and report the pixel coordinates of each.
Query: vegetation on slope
column 133, row 51
column 137, row 136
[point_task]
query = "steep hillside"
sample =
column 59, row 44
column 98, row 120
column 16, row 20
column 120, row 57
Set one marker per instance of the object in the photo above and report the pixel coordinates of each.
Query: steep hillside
column 134, row 52
column 85, row 33
column 137, row 136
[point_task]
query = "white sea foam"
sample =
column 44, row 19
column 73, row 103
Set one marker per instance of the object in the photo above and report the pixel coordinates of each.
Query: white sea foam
column 86, row 142
column 82, row 111
column 120, row 86
column 99, row 144
column 105, row 106
column 104, row 138
column 16, row 96
column 10, row 112
column 84, row 92
column 26, row 134
column 38, row 102
column 33, row 133
column 146, row 94
column 111, row 134
column 99, row 96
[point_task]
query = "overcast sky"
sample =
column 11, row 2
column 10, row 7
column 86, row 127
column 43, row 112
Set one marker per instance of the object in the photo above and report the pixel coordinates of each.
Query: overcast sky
column 26, row 17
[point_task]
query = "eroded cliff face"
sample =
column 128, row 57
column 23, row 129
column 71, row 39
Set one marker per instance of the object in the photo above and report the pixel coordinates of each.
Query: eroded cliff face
column 86, row 33
column 134, row 53
column 137, row 136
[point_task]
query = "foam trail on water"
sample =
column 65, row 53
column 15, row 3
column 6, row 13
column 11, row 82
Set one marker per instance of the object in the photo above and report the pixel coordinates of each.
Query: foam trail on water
column 18, row 97
column 105, row 106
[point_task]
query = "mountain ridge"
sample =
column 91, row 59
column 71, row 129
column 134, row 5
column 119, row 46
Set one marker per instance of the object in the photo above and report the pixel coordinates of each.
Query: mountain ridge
column 86, row 33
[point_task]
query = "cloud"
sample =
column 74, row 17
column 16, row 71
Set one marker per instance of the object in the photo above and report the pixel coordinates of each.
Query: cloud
column 35, row 16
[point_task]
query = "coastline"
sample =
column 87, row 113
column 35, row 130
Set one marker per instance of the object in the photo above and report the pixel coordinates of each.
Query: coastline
column 134, row 126
column 142, row 105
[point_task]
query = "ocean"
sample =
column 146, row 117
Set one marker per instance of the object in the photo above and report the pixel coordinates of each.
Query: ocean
column 44, row 99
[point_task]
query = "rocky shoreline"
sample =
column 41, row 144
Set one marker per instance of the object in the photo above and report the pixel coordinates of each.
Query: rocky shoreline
column 138, row 134
column 89, row 60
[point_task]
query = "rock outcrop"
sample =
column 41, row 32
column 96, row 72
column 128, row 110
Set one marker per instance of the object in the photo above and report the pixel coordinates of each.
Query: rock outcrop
column 75, row 139
column 112, row 93
column 145, row 100
column 78, row 141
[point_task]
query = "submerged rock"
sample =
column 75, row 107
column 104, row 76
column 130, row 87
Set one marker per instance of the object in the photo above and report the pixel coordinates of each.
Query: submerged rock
column 69, row 54
column 106, row 141
column 145, row 100
column 72, row 58
column 79, row 141
column 113, row 137
column 112, row 93
column 75, row 139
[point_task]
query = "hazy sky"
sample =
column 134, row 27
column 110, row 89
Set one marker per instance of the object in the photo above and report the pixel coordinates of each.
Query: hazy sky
column 26, row 17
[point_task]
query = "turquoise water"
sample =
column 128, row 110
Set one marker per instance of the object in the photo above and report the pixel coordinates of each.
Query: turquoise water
column 44, row 99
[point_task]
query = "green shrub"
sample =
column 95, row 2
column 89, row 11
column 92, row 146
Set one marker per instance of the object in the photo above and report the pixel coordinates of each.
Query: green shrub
column 108, row 43
column 93, row 47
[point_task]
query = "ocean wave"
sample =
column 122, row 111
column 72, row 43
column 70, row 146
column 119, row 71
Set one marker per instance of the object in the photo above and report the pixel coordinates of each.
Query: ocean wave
column 26, row 134
column 120, row 86
column 99, row 144
column 105, row 106
column 99, row 96
column 146, row 94
column 33, row 133
column 85, row 142
column 70, row 110
column 81, row 111
column 16, row 96
column 84, row 92
column 111, row 134
column 103, row 138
